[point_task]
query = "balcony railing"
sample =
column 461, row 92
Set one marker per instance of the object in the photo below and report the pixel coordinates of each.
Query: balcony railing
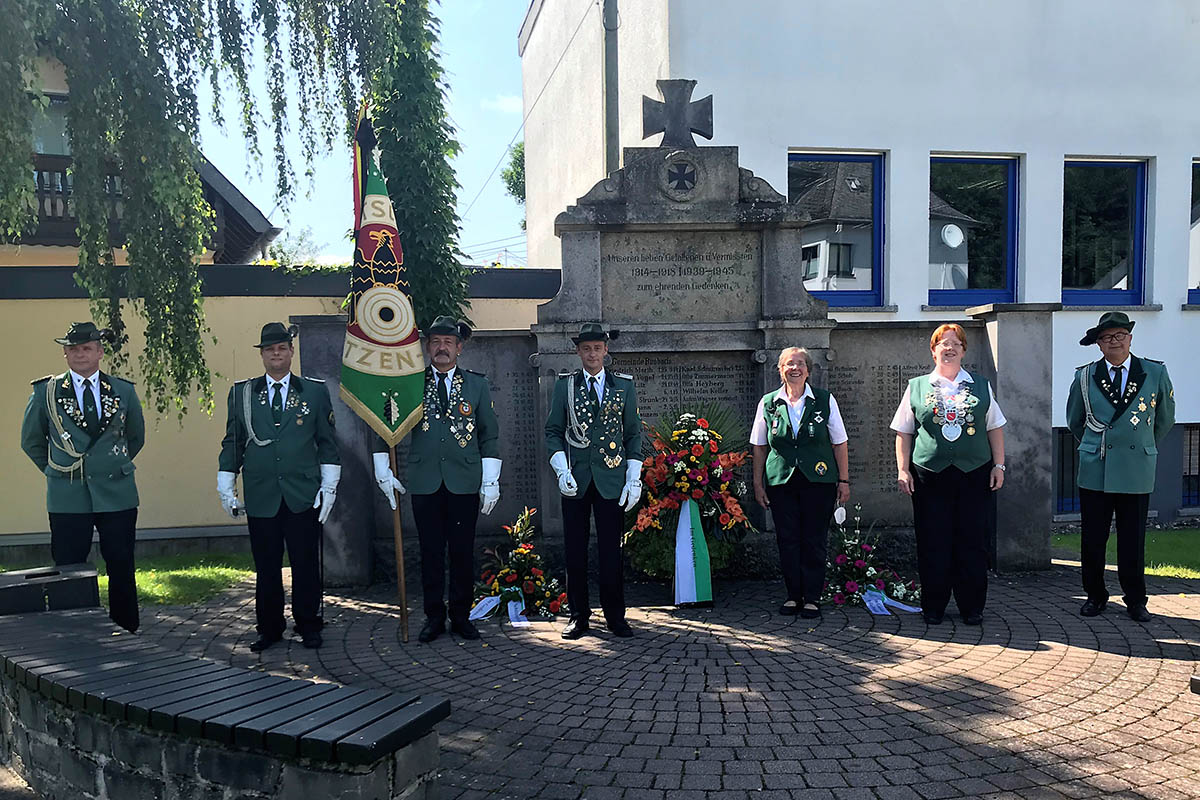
column 55, row 202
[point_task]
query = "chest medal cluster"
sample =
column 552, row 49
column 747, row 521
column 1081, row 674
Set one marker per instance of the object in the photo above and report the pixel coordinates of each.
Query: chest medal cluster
column 459, row 411
column 953, row 411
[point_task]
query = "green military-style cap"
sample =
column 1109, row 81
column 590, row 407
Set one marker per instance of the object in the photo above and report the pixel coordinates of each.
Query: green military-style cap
column 594, row 332
column 275, row 333
column 81, row 332
column 1109, row 319
column 449, row 326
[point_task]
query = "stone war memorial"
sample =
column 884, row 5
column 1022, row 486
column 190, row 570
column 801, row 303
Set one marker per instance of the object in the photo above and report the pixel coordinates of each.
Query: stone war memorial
column 696, row 261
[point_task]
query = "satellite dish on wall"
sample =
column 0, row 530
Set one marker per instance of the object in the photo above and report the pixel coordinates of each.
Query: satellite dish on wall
column 952, row 236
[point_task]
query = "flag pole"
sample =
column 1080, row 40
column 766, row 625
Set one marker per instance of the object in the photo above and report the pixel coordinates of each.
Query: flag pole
column 399, row 537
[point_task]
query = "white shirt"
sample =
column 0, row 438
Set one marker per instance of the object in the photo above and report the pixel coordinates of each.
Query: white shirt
column 587, row 383
column 905, row 420
column 283, row 390
column 1124, row 373
column 78, row 380
column 837, row 428
column 449, row 378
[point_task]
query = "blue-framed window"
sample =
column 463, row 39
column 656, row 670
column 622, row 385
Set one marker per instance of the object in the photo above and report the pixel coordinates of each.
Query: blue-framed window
column 1104, row 232
column 972, row 230
column 1194, row 250
column 843, row 193
column 1065, row 461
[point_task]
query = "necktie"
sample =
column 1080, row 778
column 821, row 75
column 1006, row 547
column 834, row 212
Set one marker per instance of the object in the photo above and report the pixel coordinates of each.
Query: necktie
column 277, row 402
column 594, row 391
column 443, row 392
column 90, row 415
column 1117, row 374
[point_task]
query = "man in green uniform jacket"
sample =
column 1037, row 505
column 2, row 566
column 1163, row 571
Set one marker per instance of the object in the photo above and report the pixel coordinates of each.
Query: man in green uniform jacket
column 454, row 474
column 594, row 438
column 1119, row 409
column 279, row 435
column 83, row 429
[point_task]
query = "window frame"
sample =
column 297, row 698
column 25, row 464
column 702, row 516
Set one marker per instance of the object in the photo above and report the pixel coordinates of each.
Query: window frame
column 1193, row 295
column 841, row 247
column 973, row 297
column 874, row 295
column 815, row 262
column 1133, row 296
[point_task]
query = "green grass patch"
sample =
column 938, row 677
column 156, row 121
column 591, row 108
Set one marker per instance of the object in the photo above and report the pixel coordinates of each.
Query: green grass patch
column 1169, row 553
column 176, row 580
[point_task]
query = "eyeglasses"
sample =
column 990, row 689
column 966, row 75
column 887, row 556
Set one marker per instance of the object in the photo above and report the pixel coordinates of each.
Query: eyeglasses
column 1113, row 337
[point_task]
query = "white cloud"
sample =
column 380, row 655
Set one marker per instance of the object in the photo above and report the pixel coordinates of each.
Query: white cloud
column 504, row 103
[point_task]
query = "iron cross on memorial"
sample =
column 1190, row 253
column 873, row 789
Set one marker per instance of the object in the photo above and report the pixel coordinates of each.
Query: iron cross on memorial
column 679, row 116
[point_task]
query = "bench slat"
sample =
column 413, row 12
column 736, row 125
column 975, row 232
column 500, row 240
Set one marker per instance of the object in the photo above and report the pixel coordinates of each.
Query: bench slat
column 135, row 707
column 319, row 743
column 390, row 733
column 56, row 684
column 77, row 692
column 252, row 732
column 285, row 739
column 163, row 711
column 55, row 652
column 191, row 723
column 220, row 728
column 111, row 699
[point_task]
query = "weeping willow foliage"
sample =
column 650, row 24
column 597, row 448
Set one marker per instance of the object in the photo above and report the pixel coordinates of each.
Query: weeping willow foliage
column 133, row 68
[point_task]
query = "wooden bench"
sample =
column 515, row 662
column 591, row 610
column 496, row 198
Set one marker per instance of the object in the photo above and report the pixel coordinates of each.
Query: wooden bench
column 87, row 666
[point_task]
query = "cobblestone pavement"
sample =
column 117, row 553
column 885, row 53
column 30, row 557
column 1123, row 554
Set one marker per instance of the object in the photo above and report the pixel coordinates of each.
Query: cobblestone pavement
column 739, row 702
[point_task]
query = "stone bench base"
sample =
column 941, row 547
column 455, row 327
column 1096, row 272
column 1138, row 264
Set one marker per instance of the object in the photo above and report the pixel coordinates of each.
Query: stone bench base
column 64, row 752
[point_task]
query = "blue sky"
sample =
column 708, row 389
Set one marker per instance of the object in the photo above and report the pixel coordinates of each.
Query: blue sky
column 483, row 72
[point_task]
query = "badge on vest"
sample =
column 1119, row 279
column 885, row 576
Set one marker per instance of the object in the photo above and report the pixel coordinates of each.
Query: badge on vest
column 821, row 468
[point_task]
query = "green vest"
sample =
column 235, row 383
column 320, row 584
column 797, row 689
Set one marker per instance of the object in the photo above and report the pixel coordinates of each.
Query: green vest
column 1121, row 454
column 278, row 464
column 950, row 435
column 448, row 448
column 810, row 450
column 86, row 471
column 601, row 440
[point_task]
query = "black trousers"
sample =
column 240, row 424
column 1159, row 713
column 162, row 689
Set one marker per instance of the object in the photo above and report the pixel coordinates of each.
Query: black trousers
column 1096, row 511
column 951, row 512
column 801, row 510
column 446, row 521
column 577, row 514
column 301, row 533
column 71, row 542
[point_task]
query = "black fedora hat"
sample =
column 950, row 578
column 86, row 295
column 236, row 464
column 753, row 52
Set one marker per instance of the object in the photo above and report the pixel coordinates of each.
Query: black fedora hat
column 594, row 332
column 1109, row 319
column 81, row 332
column 449, row 326
column 275, row 333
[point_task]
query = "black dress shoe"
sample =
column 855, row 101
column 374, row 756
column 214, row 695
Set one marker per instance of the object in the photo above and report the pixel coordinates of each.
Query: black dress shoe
column 311, row 640
column 465, row 629
column 932, row 619
column 789, row 608
column 432, row 629
column 620, row 629
column 575, row 628
column 973, row 619
column 263, row 642
column 1138, row 613
column 1092, row 608
column 810, row 613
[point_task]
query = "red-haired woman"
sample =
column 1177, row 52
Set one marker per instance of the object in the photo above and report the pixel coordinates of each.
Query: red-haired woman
column 949, row 428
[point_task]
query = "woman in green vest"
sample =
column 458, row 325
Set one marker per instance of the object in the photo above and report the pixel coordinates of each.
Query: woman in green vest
column 949, row 430
column 799, row 443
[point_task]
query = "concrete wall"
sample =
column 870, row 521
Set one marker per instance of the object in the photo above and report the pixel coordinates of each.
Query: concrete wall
column 1040, row 81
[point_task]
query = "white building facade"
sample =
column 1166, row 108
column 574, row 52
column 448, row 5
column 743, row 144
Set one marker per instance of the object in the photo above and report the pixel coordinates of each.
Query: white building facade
column 952, row 154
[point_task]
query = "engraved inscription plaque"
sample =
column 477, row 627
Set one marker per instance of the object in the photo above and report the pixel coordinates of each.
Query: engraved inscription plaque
column 666, row 381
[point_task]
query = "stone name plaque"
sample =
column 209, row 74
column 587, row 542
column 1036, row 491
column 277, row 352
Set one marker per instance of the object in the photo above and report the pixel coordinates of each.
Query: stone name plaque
column 677, row 277
column 667, row 381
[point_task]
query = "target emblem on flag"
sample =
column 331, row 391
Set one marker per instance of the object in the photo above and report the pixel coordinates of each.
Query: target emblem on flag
column 385, row 314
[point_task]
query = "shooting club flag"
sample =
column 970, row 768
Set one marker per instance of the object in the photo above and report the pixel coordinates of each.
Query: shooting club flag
column 383, row 368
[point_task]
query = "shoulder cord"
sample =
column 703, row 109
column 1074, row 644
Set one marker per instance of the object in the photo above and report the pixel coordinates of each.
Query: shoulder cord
column 251, row 437
column 64, row 438
column 576, row 432
column 1093, row 424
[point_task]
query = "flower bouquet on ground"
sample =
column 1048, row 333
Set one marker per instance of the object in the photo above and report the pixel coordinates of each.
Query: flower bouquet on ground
column 690, row 515
column 517, row 578
column 857, row 573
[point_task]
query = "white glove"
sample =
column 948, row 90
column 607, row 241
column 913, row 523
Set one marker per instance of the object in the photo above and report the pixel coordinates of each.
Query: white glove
column 327, row 494
column 489, row 492
column 228, row 493
column 633, row 485
column 387, row 482
column 566, row 481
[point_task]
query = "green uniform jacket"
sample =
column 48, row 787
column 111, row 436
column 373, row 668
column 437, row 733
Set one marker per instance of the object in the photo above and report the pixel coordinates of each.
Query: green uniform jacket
column 931, row 448
column 449, row 448
column 613, row 435
column 284, row 462
column 810, row 451
column 1123, row 456
column 86, row 471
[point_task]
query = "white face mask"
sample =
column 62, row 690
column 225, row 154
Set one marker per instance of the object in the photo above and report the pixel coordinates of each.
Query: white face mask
column 839, row 515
